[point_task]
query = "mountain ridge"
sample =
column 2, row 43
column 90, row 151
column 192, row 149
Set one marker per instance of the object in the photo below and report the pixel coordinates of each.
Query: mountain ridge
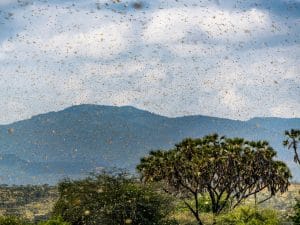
column 113, row 136
column 154, row 113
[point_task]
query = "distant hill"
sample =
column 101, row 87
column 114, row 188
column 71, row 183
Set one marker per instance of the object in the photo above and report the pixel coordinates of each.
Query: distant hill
column 80, row 139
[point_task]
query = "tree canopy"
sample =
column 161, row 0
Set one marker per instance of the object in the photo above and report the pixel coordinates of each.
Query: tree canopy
column 228, row 169
column 112, row 199
column 291, row 142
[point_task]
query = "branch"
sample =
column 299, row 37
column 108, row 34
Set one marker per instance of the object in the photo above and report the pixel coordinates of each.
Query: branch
column 244, row 196
column 265, row 199
column 191, row 209
column 224, row 203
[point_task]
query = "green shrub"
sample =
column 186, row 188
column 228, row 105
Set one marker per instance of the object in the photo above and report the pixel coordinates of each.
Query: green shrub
column 54, row 221
column 247, row 215
column 296, row 217
column 112, row 199
column 10, row 220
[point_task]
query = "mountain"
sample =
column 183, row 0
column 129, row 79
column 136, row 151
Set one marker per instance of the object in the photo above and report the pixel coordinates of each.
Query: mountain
column 84, row 138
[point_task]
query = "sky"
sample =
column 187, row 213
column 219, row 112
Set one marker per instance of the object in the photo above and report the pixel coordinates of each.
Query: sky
column 224, row 58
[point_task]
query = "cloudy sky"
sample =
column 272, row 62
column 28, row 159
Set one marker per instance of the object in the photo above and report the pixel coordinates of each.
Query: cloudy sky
column 234, row 59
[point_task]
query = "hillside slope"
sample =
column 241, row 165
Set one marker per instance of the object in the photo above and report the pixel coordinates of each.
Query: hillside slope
column 81, row 138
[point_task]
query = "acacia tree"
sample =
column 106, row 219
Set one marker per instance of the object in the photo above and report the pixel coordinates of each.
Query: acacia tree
column 291, row 141
column 228, row 170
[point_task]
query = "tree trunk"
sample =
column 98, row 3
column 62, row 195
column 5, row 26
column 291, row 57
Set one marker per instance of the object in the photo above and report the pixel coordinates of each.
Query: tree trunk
column 214, row 219
column 194, row 212
column 199, row 221
column 296, row 158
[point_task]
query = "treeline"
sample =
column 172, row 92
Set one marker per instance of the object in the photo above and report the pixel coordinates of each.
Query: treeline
column 14, row 199
column 18, row 195
column 210, row 177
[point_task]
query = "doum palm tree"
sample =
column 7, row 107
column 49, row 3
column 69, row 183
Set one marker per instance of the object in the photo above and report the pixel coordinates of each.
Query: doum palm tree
column 291, row 142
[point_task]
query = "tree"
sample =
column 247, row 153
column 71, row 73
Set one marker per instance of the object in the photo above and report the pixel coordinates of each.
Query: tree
column 111, row 199
column 291, row 141
column 228, row 170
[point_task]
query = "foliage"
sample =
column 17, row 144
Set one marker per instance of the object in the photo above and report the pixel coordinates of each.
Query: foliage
column 247, row 215
column 9, row 220
column 296, row 217
column 54, row 221
column 111, row 199
column 229, row 170
column 204, row 204
column 291, row 141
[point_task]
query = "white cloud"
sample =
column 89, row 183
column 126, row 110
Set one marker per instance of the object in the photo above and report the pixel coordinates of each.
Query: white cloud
column 6, row 48
column 112, row 69
column 286, row 109
column 17, row 108
column 172, row 25
column 104, row 42
column 59, row 32
column 172, row 60
column 200, row 49
column 232, row 100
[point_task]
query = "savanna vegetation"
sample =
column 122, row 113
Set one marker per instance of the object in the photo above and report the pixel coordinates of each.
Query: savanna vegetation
column 208, row 180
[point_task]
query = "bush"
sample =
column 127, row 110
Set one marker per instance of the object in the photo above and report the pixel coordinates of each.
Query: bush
column 247, row 215
column 9, row 220
column 54, row 221
column 111, row 199
column 296, row 217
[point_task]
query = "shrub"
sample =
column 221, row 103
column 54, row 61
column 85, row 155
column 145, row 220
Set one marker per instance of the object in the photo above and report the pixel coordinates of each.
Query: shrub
column 54, row 221
column 296, row 217
column 10, row 220
column 247, row 215
column 111, row 199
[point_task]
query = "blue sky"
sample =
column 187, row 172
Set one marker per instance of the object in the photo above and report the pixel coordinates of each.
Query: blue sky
column 234, row 59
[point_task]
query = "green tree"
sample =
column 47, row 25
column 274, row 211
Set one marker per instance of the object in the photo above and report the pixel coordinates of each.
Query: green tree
column 291, row 142
column 111, row 199
column 228, row 170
